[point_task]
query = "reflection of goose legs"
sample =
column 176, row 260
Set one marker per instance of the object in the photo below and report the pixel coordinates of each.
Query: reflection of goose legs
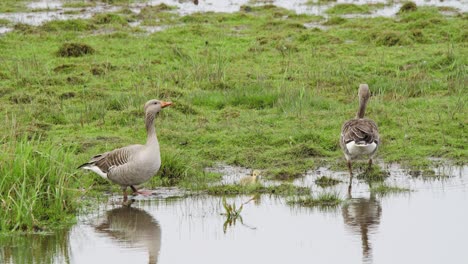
column 361, row 215
column 350, row 176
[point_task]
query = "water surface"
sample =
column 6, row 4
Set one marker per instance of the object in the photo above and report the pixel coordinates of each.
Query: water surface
column 46, row 10
column 427, row 225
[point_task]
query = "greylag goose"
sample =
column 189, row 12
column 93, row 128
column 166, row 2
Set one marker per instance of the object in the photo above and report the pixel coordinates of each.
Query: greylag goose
column 251, row 179
column 359, row 136
column 135, row 164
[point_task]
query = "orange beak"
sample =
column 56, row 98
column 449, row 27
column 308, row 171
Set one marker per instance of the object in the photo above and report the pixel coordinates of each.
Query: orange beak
column 165, row 104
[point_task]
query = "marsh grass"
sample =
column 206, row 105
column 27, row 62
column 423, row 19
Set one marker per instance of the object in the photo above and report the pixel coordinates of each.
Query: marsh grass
column 253, row 88
column 284, row 189
column 340, row 9
column 36, row 185
column 383, row 189
column 374, row 174
column 325, row 181
column 232, row 213
column 324, row 200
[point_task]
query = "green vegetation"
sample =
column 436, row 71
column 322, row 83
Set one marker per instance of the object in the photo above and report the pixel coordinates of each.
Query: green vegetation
column 374, row 174
column 323, row 200
column 383, row 189
column 232, row 214
column 12, row 5
column 408, row 7
column 325, row 181
column 284, row 189
column 341, row 9
column 36, row 182
column 254, row 88
column 319, row 2
column 74, row 50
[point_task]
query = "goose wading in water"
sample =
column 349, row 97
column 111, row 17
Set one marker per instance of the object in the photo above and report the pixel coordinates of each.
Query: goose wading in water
column 359, row 136
column 135, row 164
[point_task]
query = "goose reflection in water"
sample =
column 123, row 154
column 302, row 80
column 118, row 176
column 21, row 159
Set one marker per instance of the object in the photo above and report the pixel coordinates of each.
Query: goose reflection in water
column 133, row 228
column 362, row 215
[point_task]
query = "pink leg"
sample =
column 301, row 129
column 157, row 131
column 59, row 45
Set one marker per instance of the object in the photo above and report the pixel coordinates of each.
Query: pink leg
column 142, row 192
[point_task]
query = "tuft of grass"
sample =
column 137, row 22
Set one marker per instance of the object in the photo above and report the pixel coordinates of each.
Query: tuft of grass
column 78, row 4
column 235, row 189
column 325, row 181
column 374, row 174
column 78, row 25
column 391, row 38
column 36, row 186
column 408, row 7
column 383, row 189
column 323, row 200
column 75, row 50
column 341, row 9
column 334, row 20
column 110, row 18
column 319, row 2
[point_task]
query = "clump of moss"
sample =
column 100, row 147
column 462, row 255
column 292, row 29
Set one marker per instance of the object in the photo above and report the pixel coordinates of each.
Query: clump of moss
column 75, row 50
column 408, row 7
column 326, row 181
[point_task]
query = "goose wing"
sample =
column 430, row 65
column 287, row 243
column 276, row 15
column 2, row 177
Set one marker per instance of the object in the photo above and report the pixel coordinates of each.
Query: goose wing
column 114, row 158
column 360, row 130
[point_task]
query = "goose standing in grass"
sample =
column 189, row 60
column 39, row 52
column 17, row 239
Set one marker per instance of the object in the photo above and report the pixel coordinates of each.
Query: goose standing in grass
column 359, row 136
column 135, row 164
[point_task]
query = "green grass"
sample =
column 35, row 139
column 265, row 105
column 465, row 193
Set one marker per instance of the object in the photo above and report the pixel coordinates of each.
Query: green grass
column 384, row 189
column 341, row 9
column 284, row 189
column 323, row 200
column 7, row 6
column 325, row 181
column 251, row 88
column 37, row 184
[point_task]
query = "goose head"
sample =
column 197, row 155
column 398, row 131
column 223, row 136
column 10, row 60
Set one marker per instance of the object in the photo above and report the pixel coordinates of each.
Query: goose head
column 153, row 106
column 364, row 93
column 255, row 174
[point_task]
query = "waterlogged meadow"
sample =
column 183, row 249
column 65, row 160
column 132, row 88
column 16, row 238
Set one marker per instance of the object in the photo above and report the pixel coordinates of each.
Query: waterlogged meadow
column 263, row 88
